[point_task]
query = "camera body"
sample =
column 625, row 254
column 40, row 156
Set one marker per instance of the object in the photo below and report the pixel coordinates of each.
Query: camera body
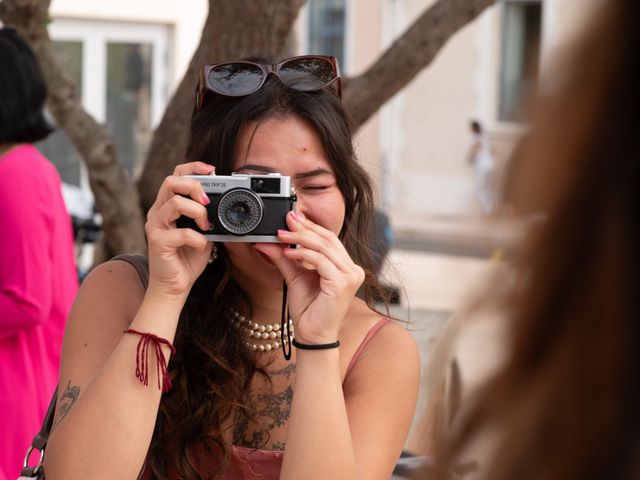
column 244, row 208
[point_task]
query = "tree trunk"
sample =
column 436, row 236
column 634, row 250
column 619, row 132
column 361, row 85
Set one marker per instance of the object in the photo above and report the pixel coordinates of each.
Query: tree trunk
column 233, row 29
column 408, row 56
column 115, row 197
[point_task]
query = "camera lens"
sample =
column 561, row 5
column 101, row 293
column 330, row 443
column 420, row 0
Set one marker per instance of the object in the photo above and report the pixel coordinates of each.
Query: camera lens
column 240, row 211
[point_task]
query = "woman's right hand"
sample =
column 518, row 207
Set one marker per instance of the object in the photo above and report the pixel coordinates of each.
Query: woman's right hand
column 177, row 256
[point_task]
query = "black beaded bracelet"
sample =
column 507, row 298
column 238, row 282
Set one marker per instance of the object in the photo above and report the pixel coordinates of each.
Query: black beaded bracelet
column 317, row 346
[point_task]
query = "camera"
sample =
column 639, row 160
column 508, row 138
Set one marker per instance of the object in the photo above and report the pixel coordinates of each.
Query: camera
column 244, row 208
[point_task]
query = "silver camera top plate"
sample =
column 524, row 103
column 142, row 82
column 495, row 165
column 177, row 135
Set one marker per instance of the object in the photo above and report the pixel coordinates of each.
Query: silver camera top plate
column 222, row 183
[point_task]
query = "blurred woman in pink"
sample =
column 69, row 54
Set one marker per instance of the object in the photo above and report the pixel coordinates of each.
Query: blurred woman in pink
column 38, row 277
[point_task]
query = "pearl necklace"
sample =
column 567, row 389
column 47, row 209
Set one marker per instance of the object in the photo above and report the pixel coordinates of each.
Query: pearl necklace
column 269, row 331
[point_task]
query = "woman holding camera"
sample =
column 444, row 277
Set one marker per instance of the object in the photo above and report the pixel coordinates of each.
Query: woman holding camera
column 237, row 409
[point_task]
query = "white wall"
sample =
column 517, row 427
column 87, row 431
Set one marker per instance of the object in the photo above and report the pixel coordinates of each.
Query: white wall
column 362, row 49
column 425, row 128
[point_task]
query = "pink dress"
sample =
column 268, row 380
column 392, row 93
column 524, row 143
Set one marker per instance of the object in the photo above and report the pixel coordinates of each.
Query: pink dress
column 38, row 282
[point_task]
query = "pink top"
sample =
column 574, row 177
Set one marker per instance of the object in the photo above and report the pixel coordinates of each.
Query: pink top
column 257, row 464
column 38, row 282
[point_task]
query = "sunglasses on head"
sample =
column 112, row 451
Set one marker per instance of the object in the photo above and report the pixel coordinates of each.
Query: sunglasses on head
column 305, row 73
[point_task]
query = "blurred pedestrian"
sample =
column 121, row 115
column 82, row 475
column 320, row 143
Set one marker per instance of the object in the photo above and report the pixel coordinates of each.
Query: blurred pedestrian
column 480, row 156
column 38, row 278
column 564, row 403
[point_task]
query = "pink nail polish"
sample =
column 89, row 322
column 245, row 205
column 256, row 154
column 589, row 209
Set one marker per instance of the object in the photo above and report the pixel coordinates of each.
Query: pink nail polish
column 205, row 199
column 284, row 232
column 294, row 215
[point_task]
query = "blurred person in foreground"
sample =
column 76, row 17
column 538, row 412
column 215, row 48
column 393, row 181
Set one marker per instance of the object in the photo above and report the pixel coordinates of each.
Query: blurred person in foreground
column 565, row 403
column 38, row 278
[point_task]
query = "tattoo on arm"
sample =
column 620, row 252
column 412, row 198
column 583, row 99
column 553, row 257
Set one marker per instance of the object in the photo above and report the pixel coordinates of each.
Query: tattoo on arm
column 68, row 398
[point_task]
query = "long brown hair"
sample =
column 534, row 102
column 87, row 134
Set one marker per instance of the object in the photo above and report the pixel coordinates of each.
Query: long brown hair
column 565, row 403
column 213, row 370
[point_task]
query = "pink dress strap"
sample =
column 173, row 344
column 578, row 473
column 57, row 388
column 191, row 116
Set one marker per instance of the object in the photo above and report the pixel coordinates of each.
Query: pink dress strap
column 372, row 331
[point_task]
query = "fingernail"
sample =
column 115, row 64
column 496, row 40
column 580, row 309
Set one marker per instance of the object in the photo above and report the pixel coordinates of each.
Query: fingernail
column 205, row 199
column 283, row 232
column 301, row 216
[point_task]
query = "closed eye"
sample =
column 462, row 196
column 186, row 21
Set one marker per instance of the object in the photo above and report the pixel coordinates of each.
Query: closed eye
column 314, row 187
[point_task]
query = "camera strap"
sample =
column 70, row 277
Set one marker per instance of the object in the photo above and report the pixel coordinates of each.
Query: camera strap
column 285, row 338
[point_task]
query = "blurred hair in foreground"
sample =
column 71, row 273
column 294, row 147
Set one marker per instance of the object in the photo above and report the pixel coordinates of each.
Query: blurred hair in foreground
column 565, row 403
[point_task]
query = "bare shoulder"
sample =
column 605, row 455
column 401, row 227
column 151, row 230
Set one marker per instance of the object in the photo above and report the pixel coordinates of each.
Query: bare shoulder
column 381, row 391
column 107, row 301
column 113, row 287
column 389, row 345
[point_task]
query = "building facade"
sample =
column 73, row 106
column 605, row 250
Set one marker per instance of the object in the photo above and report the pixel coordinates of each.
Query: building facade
column 127, row 57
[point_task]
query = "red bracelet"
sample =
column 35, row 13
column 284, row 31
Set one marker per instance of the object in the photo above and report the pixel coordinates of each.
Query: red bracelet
column 142, row 358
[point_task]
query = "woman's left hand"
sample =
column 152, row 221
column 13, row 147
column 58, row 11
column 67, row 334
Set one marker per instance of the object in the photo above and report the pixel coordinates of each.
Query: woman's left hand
column 321, row 277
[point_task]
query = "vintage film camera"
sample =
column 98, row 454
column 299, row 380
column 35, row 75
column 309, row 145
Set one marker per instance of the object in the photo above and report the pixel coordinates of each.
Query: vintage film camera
column 245, row 208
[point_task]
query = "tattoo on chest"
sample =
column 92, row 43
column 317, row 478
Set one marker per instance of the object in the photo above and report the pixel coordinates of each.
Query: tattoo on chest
column 68, row 398
column 271, row 410
column 286, row 371
column 277, row 446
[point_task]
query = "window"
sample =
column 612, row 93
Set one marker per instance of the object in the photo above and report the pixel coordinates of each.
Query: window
column 57, row 147
column 327, row 21
column 120, row 71
column 129, row 101
column 521, row 36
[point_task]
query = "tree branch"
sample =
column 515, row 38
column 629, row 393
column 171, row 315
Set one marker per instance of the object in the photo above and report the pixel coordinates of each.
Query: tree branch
column 408, row 56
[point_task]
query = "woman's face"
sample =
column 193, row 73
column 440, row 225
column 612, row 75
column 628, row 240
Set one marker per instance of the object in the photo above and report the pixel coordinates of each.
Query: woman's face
column 288, row 145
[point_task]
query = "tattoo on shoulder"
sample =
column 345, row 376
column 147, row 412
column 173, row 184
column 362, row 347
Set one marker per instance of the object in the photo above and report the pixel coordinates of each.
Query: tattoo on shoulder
column 68, row 398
